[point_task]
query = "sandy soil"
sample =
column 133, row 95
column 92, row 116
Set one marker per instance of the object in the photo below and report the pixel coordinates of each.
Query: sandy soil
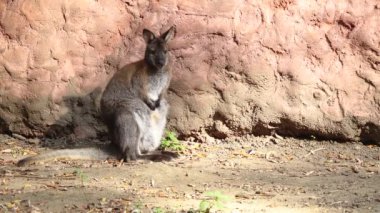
column 258, row 174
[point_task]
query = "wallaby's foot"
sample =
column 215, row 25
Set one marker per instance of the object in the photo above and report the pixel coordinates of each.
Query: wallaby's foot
column 158, row 156
column 164, row 156
column 130, row 156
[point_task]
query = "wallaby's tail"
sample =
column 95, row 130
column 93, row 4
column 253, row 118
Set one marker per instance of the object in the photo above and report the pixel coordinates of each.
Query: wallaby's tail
column 93, row 153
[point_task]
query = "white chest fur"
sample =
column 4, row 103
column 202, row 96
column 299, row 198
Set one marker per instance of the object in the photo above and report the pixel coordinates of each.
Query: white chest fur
column 159, row 84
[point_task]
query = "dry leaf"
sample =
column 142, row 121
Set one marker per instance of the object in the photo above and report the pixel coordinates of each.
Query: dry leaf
column 6, row 151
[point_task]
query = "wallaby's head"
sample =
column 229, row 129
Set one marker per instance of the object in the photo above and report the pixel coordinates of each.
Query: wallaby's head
column 156, row 54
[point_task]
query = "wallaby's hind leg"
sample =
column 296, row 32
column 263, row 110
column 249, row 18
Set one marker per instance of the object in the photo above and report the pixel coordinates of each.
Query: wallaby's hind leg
column 127, row 135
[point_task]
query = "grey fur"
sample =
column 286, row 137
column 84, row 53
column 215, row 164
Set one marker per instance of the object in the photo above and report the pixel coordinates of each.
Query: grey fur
column 133, row 106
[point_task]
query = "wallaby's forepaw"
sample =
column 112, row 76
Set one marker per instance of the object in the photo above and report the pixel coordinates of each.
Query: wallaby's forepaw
column 153, row 104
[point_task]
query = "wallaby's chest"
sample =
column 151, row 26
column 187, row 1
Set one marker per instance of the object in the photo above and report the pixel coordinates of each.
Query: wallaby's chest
column 137, row 79
column 157, row 83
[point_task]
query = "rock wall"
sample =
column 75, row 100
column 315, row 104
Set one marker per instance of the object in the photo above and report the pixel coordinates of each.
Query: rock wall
column 300, row 68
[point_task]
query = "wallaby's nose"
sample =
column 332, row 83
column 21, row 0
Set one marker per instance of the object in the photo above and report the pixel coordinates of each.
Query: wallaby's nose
column 161, row 60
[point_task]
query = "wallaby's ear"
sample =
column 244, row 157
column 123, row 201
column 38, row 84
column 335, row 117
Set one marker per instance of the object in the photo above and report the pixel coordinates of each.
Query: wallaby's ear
column 148, row 35
column 168, row 34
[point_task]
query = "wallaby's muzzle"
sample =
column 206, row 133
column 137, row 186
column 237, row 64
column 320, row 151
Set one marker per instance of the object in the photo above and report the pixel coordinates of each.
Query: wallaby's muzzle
column 161, row 60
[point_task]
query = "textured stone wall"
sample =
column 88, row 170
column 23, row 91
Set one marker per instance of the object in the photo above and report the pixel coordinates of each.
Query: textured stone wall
column 301, row 68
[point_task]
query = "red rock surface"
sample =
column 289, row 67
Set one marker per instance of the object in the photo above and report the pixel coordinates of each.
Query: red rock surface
column 301, row 68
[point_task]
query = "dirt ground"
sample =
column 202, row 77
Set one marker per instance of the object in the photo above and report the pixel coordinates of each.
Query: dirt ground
column 257, row 174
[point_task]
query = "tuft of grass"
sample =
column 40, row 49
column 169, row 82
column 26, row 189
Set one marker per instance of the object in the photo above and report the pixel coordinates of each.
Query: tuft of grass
column 82, row 176
column 214, row 200
column 137, row 207
column 158, row 210
column 171, row 142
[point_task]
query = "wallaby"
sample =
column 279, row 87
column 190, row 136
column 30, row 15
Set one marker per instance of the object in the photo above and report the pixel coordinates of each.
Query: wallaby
column 134, row 108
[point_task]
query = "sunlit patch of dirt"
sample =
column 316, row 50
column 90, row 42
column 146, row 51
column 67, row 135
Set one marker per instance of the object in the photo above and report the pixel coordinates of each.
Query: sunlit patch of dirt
column 269, row 174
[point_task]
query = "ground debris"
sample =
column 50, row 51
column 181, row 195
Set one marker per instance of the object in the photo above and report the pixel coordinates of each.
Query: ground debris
column 263, row 175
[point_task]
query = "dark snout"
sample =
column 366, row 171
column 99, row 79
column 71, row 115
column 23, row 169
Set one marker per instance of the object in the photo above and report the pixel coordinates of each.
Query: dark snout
column 161, row 60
